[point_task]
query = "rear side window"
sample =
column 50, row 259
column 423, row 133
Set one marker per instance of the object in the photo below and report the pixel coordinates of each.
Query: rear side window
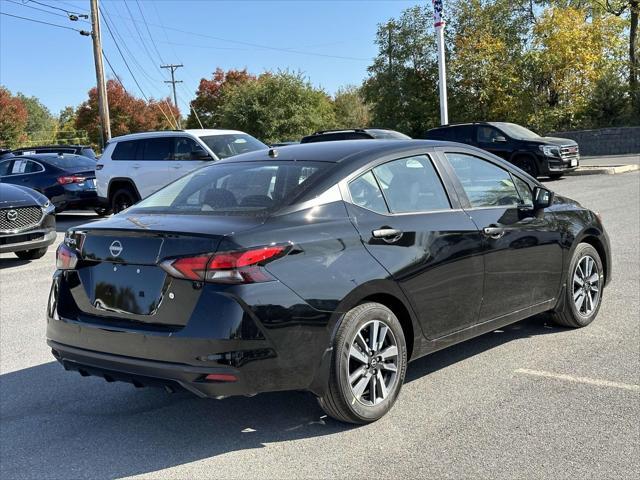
column 365, row 192
column 4, row 167
column 243, row 188
column 158, row 149
column 125, row 150
column 485, row 184
column 412, row 185
column 71, row 161
column 25, row 166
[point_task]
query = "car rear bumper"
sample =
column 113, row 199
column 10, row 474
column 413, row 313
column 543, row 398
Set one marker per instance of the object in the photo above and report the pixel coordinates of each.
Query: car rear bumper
column 27, row 240
column 77, row 199
column 148, row 373
column 276, row 349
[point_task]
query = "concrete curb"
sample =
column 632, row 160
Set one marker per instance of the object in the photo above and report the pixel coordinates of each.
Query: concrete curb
column 604, row 169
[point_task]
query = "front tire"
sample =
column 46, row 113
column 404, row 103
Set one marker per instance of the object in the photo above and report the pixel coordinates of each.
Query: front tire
column 33, row 254
column 582, row 290
column 368, row 366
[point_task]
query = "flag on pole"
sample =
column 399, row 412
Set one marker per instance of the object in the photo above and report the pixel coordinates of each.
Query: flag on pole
column 437, row 13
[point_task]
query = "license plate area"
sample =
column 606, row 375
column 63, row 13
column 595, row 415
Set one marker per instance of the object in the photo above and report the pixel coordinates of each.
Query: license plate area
column 574, row 162
column 128, row 289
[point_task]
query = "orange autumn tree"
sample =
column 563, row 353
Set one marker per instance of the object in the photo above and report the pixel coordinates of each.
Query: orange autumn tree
column 208, row 100
column 13, row 120
column 128, row 113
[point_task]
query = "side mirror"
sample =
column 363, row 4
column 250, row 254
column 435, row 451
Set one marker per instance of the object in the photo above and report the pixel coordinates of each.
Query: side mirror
column 499, row 139
column 542, row 198
column 200, row 154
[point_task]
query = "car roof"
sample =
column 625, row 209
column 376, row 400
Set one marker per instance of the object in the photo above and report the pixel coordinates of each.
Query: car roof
column 22, row 149
column 199, row 132
column 44, row 157
column 334, row 152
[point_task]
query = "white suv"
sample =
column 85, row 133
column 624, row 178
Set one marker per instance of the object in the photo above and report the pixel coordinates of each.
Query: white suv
column 134, row 166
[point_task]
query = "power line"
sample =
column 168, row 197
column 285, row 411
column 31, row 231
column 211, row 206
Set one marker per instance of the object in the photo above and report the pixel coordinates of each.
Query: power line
column 254, row 45
column 81, row 32
column 130, row 72
column 68, row 12
column 39, row 9
column 153, row 43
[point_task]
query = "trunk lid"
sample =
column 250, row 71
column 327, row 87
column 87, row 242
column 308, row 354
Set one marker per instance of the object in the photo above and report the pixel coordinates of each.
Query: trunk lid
column 120, row 276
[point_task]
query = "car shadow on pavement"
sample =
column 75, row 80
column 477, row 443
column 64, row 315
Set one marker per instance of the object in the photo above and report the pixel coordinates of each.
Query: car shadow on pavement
column 530, row 327
column 12, row 262
column 55, row 424
column 64, row 221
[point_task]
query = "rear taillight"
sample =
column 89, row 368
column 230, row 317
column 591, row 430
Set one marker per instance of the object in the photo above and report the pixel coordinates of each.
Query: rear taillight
column 67, row 179
column 66, row 258
column 226, row 267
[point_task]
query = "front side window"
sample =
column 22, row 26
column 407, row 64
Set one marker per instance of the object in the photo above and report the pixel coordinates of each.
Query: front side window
column 184, row 148
column 412, row 185
column 243, row 188
column 485, row 184
column 366, row 193
column 524, row 190
column 232, row 144
column 487, row 134
column 5, row 167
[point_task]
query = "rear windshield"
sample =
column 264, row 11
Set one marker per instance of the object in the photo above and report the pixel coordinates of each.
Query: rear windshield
column 232, row 144
column 243, row 188
column 71, row 161
column 388, row 134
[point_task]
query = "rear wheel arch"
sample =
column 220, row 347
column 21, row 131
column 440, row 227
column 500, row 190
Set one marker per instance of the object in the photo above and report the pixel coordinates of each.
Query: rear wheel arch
column 518, row 158
column 118, row 183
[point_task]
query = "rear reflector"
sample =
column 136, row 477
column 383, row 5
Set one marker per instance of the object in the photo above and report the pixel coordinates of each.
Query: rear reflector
column 227, row 267
column 221, row 377
column 66, row 259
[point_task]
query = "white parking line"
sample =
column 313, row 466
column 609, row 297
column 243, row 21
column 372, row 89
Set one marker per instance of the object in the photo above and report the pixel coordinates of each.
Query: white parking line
column 588, row 381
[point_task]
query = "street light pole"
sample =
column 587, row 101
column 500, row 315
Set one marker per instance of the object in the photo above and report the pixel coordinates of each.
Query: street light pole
column 438, row 23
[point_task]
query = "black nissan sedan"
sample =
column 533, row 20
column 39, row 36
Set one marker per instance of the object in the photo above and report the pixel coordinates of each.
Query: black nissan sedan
column 323, row 267
column 68, row 180
column 27, row 222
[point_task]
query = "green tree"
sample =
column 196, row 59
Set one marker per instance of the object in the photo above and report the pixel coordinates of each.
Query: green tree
column 41, row 125
column 351, row 110
column 13, row 120
column 205, row 107
column 402, row 83
column 276, row 107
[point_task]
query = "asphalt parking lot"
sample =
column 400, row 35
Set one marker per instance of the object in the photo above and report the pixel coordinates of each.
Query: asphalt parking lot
column 529, row 401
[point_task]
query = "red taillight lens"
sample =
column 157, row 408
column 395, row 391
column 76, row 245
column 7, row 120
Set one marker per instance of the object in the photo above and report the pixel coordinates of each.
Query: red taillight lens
column 66, row 258
column 220, row 377
column 65, row 180
column 228, row 260
column 192, row 268
column 226, row 267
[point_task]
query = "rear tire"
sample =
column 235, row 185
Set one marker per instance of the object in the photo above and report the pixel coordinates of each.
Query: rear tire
column 364, row 385
column 31, row 254
column 122, row 199
column 582, row 290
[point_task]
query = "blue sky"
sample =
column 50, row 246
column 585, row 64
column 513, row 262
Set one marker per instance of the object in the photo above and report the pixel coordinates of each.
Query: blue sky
column 56, row 65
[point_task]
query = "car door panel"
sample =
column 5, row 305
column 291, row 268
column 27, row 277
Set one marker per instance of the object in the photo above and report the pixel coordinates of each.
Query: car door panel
column 522, row 249
column 435, row 256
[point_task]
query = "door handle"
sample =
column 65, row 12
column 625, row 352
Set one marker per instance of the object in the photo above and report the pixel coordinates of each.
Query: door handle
column 176, row 165
column 389, row 235
column 493, row 231
column 135, row 165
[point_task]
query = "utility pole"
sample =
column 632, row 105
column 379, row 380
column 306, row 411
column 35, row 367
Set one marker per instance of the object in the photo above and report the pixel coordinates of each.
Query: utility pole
column 173, row 81
column 438, row 23
column 103, row 102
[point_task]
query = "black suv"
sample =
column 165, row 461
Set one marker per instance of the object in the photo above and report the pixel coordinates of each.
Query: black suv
column 536, row 155
column 354, row 134
column 84, row 150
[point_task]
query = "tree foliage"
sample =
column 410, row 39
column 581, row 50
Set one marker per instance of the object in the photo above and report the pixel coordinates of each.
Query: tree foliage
column 350, row 108
column 276, row 107
column 128, row 114
column 208, row 99
column 41, row 125
column 13, row 120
